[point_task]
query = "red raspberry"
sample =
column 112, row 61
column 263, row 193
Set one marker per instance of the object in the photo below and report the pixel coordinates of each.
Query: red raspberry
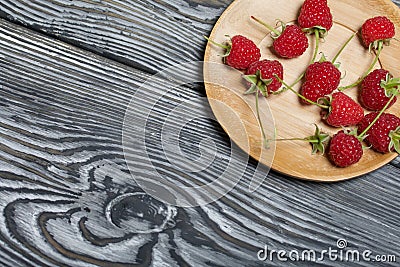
column 242, row 53
column 319, row 71
column 292, row 42
column 373, row 95
column 343, row 111
column 315, row 14
column 377, row 29
column 268, row 68
column 345, row 149
column 322, row 78
column 379, row 135
column 314, row 90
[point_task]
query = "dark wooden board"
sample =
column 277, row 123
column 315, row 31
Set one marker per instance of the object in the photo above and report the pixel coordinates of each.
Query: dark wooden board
column 61, row 160
column 124, row 30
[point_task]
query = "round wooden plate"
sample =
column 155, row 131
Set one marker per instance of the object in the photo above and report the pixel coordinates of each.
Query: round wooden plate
column 292, row 119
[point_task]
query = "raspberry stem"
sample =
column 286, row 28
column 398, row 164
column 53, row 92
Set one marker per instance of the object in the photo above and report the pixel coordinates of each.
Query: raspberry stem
column 333, row 61
column 298, row 79
column 227, row 47
column 380, row 46
column 258, row 86
column 301, row 96
column 316, row 32
column 265, row 141
column 317, row 141
column 269, row 27
column 361, row 136
column 342, row 48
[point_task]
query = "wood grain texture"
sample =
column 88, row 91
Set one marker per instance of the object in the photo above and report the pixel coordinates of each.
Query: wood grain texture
column 124, row 30
column 61, row 160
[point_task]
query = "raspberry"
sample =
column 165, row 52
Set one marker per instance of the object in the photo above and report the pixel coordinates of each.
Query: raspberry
column 291, row 43
column 240, row 52
column 378, row 136
column 344, row 111
column 377, row 29
column 268, row 68
column 322, row 78
column 345, row 149
column 372, row 95
column 315, row 14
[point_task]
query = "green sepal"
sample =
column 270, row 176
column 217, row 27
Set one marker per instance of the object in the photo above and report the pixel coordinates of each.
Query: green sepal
column 253, row 78
column 323, row 58
column 375, row 45
column 318, row 141
column 395, row 140
column 228, row 48
column 326, row 101
column 282, row 24
column 253, row 89
column 263, row 90
column 322, row 31
column 354, row 132
column 258, row 84
column 364, row 147
column 390, row 85
column 337, row 64
column 342, row 77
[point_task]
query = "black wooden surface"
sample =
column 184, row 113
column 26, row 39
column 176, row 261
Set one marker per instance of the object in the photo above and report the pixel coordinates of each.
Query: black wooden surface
column 68, row 70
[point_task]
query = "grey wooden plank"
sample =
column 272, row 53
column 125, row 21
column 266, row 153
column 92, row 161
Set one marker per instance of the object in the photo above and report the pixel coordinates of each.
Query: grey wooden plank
column 124, row 30
column 61, row 164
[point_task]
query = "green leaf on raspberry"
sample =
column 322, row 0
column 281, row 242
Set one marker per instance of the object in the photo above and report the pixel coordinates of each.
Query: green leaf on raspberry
column 318, row 141
column 353, row 132
column 395, row 140
column 391, row 85
column 323, row 58
column 322, row 32
column 375, row 45
column 253, row 89
column 263, row 91
column 257, row 84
